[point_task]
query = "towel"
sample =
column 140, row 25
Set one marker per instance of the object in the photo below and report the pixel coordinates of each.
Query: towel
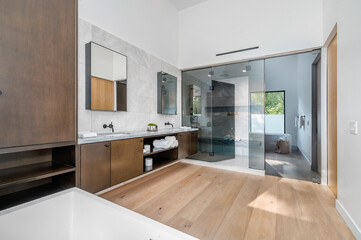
column 162, row 143
column 297, row 121
column 87, row 134
column 172, row 140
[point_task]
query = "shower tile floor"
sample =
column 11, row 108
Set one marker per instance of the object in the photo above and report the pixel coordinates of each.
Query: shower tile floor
column 292, row 165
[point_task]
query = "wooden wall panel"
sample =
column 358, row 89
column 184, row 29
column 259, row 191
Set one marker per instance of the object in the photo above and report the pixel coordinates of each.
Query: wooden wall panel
column 332, row 115
column 38, row 72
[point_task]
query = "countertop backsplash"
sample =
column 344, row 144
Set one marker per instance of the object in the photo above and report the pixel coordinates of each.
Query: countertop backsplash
column 141, row 81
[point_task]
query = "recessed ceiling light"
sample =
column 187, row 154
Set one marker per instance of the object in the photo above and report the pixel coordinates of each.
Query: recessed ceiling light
column 244, row 70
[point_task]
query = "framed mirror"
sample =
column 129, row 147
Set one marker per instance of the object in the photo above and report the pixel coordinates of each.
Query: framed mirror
column 106, row 79
column 167, row 94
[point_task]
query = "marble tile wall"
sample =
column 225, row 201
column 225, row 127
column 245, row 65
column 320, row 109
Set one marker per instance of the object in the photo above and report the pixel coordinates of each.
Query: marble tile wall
column 142, row 85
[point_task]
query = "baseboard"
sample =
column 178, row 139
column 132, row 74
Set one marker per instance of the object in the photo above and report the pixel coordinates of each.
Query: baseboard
column 136, row 178
column 229, row 168
column 356, row 230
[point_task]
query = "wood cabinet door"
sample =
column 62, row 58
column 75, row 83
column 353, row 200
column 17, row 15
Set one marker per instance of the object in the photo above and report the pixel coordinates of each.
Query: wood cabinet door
column 126, row 159
column 37, row 72
column 95, row 166
column 194, row 143
column 183, row 145
column 187, row 144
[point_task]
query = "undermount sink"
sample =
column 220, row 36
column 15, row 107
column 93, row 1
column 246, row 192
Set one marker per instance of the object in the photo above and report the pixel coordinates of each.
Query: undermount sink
column 114, row 134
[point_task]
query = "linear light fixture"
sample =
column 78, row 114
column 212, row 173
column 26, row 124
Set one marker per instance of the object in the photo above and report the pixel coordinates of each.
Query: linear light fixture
column 241, row 50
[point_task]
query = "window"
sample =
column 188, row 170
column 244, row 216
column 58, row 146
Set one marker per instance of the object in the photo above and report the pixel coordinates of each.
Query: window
column 275, row 112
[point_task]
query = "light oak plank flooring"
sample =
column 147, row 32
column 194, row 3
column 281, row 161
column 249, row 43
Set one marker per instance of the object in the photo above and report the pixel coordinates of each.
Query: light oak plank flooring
column 210, row 203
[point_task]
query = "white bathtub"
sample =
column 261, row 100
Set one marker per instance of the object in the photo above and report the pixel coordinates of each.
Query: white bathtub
column 76, row 215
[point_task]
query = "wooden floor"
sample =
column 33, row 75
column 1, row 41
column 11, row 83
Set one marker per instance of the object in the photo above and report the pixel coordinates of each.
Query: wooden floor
column 210, row 203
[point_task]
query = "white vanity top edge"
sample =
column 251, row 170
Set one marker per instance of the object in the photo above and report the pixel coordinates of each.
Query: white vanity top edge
column 131, row 134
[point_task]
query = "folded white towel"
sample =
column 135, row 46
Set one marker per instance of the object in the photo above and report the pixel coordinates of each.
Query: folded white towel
column 87, row 134
column 170, row 138
column 162, row 143
column 173, row 141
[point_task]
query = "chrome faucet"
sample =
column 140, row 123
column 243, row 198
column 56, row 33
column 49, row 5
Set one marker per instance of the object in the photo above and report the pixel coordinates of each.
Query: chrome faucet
column 109, row 126
column 168, row 123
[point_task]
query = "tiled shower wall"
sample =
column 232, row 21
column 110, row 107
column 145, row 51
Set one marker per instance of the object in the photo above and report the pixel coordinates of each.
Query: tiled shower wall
column 141, row 88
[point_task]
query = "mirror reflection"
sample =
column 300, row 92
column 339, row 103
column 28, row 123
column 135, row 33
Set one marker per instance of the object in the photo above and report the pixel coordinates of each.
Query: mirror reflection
column 106, row 76
column 167, row 94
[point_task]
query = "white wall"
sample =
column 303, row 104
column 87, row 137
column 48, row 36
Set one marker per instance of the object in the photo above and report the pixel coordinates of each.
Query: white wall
column 151, row 25
column 276, row 26
column 281, row 74
column 304, row 93
column 348, row 18
column 141, row 85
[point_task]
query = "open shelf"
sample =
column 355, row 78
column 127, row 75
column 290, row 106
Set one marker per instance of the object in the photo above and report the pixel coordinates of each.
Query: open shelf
column 162, row 158
column 24, row 192
column 27, row 195
column 159, row 151
column 32, row 172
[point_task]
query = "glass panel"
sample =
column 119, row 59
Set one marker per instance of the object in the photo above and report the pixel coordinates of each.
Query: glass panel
column 230, row 111
column 197, row 108
column 255, row 71
column 227, row 104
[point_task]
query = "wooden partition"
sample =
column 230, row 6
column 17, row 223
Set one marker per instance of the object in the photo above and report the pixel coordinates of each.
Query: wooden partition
column 332, row 115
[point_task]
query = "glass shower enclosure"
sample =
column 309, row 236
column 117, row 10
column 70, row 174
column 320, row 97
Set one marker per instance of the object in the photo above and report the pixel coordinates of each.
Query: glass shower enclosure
column 226, row 104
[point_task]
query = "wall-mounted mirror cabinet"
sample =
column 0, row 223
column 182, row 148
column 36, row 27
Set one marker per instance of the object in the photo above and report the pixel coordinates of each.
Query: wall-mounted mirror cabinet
column 106, row 79
column 167, row 94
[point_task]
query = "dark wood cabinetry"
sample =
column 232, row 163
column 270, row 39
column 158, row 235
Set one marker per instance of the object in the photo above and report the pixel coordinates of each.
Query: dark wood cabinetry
column 105, row 164
column 37, row 72
column 95, row 166
column 38, row 92
column 188, row 144
column 126, row 159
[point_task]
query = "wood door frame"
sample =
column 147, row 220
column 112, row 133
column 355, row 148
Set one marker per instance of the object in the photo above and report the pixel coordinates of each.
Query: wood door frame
column 324, row 153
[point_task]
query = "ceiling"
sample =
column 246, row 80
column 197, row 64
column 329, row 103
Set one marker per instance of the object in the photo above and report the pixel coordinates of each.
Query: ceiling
column 183, row 4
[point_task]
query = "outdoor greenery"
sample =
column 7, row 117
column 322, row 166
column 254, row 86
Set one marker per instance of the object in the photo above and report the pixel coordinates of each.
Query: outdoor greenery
column 273, row 103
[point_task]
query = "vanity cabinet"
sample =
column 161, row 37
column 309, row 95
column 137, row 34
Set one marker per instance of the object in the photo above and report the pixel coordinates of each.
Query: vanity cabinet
column 187, row 144
column 95, row 166
column 105, row 164
column 126, row 159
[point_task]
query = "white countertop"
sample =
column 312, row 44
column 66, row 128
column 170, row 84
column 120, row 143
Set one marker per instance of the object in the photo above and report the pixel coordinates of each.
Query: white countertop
column 103, row 137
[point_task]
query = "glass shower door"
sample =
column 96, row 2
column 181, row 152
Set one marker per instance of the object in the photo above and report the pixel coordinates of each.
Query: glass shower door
column 197, row 108
column 226, row 103
column 256, row 114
